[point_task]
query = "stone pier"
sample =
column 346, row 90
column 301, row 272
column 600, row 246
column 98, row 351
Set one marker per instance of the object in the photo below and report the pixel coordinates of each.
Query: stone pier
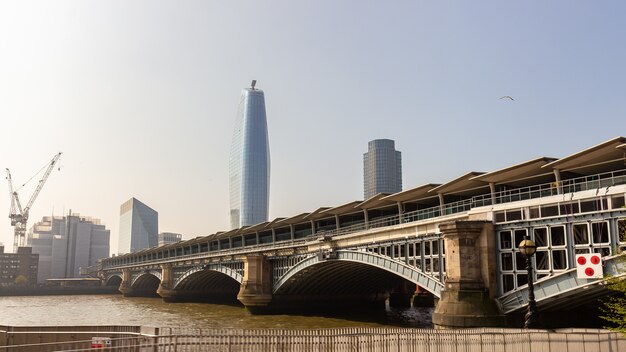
column 256, row 289
column 467, row 298
column 401, row 295
column 125, row 287
column 166, row 290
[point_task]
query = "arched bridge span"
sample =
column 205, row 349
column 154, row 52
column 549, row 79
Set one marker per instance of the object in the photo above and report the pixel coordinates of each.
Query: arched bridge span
column 351, row 269
column 113, row 280
column 208, row 276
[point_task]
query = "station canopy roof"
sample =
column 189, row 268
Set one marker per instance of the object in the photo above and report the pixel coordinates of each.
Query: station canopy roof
column 316, row 214
column 463, row 186
column 419, row 192
column 274, row 222
column 524, row 174
column 343, row 209
column 294, row 219
column 375, row 201
column 257, row 227
column 604, row 157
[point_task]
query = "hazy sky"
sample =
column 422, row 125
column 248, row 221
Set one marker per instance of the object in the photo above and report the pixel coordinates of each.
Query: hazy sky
column 141, row 96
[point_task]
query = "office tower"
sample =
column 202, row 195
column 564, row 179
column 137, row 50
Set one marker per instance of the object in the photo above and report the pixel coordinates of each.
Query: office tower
column 67, row 243
column 18, row 269
column 169, row 237
column 139, row 226
column 382, row 168
column 249, row 167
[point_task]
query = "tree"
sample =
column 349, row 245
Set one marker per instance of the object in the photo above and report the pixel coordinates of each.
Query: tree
column 614, row 307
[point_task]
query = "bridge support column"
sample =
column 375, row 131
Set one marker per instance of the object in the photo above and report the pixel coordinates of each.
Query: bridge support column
column 125, row 287
column 256, row 289
column 166, row 290
column 423, row 298
column 401, row 296
column 470, row 266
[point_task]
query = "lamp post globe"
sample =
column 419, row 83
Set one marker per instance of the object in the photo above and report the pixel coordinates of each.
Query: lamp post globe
column 528, row 248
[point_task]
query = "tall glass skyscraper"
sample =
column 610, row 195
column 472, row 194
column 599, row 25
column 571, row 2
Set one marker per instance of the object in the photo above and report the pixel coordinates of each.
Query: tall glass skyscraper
column 139, row 226
column 249, row 167
column 382, row 168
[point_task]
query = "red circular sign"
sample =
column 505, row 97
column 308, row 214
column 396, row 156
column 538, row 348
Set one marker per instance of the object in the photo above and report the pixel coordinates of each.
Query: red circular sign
column 589, row 272
column 595, row 259
column 581, row 260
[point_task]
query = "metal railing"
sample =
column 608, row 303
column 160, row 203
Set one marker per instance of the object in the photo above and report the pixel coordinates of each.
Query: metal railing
column 350, row 339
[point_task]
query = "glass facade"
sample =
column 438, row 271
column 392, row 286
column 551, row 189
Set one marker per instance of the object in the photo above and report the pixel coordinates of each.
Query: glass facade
column 382, row 168
column 139, row 225
column 249, row 166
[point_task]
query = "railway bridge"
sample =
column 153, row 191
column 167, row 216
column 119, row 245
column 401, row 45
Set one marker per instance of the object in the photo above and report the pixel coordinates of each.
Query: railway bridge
column 456, row 241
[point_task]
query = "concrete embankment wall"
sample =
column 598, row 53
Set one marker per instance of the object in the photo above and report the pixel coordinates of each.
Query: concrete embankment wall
column 136, row 338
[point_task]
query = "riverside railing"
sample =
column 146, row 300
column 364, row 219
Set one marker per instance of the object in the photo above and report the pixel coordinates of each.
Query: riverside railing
column 350, row 339
column 597, row 181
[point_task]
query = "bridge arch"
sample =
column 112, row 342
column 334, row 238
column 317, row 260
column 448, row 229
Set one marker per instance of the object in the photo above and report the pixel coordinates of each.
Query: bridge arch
column 146, row 283
column 357, row 261
column 207, row 272
column 113, row 280
column 156, row 273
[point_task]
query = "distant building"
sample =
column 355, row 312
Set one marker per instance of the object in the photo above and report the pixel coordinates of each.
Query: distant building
column 169, row 237
column 382, row 168
column 67, row 243
column 249, row 166
column 139, row 226
column 18, row 268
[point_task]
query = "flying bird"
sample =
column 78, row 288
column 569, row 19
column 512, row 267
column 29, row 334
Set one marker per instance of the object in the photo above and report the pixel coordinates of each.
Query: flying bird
column 507, row 97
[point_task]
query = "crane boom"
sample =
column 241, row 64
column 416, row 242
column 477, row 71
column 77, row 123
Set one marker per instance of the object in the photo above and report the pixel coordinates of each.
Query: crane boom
column 42, row 181
column 11, row 192
column 19, row 215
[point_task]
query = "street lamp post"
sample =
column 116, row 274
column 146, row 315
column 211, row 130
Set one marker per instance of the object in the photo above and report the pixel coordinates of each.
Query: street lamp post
column 527, row 248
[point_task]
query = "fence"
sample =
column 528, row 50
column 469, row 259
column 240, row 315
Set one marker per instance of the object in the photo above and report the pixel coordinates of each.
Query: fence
column 139, row 339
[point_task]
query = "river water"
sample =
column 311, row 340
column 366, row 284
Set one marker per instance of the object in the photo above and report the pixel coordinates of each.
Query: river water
column 118, row 310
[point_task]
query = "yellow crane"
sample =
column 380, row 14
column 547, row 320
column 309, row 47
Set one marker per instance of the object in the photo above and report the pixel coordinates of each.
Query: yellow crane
column 19, row 215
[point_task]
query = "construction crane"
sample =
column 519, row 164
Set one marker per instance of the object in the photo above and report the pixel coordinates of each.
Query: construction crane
column 19, row 215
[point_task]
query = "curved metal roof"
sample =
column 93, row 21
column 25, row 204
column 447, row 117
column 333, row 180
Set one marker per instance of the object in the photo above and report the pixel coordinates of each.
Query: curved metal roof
column 598, row 158
column 513, row 174
column 419, row 192
column 376, row 201
column 460, row 185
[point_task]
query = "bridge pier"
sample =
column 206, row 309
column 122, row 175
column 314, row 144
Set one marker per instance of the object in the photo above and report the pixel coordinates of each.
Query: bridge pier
column 401, row 295
column 423, row 298
column 256, row 288
column 465, row 300
column 125, row 287
column 165, row 289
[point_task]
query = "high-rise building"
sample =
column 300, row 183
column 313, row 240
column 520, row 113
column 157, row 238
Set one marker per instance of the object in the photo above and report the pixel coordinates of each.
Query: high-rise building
column 139, row 226
column 67, row 243
column 169, row 237
column 249, row 167
column 382, row 168
column 18, row 269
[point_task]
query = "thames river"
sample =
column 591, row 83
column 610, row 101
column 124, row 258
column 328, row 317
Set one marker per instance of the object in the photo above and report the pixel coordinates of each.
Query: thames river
column 117, row 310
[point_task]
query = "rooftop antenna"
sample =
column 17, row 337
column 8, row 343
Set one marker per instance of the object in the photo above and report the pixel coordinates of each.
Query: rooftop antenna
column 253, row 83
